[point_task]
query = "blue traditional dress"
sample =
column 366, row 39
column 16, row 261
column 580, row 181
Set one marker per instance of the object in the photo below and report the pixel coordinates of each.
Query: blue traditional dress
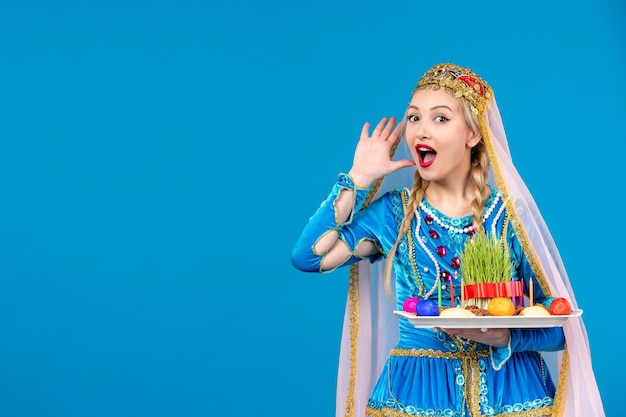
column 431, row 373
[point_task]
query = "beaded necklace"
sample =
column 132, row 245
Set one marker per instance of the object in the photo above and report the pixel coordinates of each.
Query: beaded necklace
column 458, row 230
column 467, row 229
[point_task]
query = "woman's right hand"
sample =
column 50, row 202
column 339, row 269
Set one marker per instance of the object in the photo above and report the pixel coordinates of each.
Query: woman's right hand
column 372, row 157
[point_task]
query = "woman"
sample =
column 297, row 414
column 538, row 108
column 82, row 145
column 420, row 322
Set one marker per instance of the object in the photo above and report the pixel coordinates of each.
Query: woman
column 463, row 183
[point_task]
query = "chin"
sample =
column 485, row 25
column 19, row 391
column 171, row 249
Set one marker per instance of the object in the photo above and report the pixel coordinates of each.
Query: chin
column 426, row 173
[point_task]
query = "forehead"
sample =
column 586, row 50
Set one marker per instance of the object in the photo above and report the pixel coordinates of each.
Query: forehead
column 428, row 98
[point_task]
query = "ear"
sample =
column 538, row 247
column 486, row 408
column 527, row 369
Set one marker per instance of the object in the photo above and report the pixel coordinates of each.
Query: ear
column 473, row 139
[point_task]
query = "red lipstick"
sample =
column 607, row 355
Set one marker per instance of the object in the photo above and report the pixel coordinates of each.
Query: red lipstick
column 425, row 155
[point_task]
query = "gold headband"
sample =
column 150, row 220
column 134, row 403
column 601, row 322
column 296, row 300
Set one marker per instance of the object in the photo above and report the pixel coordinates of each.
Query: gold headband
column 460, row 82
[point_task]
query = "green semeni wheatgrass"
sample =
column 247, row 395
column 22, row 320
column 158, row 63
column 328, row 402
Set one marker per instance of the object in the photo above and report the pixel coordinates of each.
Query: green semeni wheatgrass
column 485, row 260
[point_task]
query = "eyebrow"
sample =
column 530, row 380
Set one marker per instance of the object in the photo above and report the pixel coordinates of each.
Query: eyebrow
column 432, row 108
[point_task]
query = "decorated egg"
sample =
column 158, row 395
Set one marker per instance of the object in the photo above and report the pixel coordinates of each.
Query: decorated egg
column 537, row 310
column 546, row 303
column 501, row 306
column 560, row 307
column 427, row 308
column 410, row 304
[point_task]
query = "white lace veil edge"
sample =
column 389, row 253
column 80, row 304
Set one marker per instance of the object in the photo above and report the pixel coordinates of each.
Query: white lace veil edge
column 370, row 329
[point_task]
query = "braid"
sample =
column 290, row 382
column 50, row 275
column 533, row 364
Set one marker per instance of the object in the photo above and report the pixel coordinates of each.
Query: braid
column 480, row 166
column 417, row 192
column 479, row 173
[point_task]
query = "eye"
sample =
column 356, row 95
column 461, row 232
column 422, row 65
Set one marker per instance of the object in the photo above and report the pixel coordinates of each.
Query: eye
column 412, row 118
column 441, row 119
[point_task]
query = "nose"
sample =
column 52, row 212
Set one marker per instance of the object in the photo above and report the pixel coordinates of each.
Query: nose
column 421, row 130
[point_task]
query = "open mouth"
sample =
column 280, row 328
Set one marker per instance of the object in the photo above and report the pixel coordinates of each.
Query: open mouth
column 425, row 155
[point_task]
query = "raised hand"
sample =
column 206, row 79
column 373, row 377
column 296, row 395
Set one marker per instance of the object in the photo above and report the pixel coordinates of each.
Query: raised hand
column 372, row 157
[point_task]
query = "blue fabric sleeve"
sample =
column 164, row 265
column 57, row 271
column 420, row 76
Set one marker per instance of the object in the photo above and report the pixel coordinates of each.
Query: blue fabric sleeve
column 378, row 222
column 522, row 340
column 324, row 220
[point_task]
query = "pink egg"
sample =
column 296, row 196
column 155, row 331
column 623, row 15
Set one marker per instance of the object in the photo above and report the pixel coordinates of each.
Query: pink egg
column 410, row 304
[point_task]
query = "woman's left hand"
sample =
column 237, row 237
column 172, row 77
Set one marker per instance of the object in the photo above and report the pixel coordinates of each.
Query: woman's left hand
column 491, row 337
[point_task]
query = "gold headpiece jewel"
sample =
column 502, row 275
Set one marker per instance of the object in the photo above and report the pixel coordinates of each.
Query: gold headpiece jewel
column 460, row 82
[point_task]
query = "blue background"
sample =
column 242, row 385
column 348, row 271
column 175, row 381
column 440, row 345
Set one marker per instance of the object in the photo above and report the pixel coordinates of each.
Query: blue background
column 159, row 159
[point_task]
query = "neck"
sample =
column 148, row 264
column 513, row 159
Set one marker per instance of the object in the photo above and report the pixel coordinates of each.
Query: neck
column 453, row 199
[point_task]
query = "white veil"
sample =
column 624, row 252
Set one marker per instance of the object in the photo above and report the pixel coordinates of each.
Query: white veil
column 370, row 329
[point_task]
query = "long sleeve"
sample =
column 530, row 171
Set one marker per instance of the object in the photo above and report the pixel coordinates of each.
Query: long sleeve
column 303, row 256
column 523, row 340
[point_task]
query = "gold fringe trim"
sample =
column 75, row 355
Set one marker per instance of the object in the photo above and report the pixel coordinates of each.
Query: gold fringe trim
column 389, row 412
column 355, row 306
column 438, row 354
column 355, row 314
column 561, row 388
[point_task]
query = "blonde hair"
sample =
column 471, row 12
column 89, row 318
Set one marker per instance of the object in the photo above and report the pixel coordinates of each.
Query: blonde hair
column 479, row 173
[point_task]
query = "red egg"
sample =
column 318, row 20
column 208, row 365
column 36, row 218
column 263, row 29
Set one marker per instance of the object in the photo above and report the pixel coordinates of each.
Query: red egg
column 410, row 304
column 560, row 307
